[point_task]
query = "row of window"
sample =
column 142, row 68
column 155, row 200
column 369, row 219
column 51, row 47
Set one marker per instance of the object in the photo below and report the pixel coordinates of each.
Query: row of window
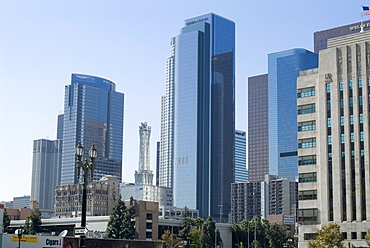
column 307, row 177
column 306, row 109
column 304, row 92
column 350, row 84
column 351, row 120
column 307, row 143
column 307, row 195
column 307, row 160
column 306, row 125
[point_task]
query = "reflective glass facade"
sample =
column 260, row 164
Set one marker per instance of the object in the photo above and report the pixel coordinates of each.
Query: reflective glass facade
column 283, row 70
column 93, row 114
column 241, row 172
column 204, row 128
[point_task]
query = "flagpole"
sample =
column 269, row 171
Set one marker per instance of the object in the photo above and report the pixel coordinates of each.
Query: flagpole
column 362, row 20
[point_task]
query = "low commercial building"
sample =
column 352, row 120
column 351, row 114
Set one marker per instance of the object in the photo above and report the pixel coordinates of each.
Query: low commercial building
column 101, row 197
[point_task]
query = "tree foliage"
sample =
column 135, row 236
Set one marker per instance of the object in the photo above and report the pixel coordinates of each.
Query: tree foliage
column 327, row 237
column 169, row 238
column 187, row 224
column 121, row 224
column 33, row 222
column 6, row 221
column 207, row 234
column 367, row 238
column 198, row 232
column 129, row 221
column 260, row 233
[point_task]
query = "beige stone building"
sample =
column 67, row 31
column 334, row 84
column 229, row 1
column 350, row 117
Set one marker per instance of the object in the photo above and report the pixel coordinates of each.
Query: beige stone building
column 333, row 140
column 101, row 196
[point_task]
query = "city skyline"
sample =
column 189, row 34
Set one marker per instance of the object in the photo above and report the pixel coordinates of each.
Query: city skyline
column 46, row 42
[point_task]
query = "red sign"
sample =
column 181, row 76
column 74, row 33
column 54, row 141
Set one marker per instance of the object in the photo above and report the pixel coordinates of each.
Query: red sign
column 1, row 206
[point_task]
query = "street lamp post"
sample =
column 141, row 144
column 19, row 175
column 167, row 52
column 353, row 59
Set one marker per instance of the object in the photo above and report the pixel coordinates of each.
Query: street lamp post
column 85, row 166
column 20, row 233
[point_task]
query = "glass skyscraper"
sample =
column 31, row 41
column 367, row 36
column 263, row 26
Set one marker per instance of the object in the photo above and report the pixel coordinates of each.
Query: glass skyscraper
column 204, row 128
column 93, row 114
column 283, row 70
column 241, row 172
column 47, row 158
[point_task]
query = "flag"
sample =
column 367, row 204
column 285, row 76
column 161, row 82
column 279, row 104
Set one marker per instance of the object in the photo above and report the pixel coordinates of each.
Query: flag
column 366, row 10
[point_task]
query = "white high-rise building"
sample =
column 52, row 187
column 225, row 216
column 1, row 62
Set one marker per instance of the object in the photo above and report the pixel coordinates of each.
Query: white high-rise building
column 334, row 140
column 167, row 121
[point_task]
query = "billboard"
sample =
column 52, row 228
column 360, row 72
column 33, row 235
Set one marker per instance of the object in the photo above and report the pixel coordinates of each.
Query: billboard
column 32, row 241
column 289, row 220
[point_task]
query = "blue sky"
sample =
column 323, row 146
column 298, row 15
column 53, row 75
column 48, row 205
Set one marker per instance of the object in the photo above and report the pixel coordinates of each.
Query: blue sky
column 43, row 41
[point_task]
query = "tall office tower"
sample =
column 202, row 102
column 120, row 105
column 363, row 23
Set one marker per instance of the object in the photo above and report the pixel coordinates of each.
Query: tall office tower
column 46, row 164
column 204, row 129
column 167, row 124
column 283, row 70
column 241, row 172
column 93, row 114
column 258, row 135
column 321, row 37
column 334, row 140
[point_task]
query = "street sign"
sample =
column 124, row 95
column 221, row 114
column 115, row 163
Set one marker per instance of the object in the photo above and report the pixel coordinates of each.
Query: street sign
column 80, row 230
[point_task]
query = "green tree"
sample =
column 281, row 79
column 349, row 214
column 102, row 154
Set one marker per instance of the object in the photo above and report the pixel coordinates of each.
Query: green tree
column 277, row 235
column 33, row 223
column 129, row 221
column 170, row 239
column 195, row 238
column 367, row 238
column 209, row 234
column 121, row 223
column 187, row 224
column 115, row 225
column 237, row 234
column 27, row 226
column 259, row 233
column 198, row 223
column 6, row 222
column 328, row 236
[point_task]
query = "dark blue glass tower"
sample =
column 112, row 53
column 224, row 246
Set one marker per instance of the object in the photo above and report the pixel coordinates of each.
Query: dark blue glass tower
column 204, row 128
column 93, row 114
column 283, row 70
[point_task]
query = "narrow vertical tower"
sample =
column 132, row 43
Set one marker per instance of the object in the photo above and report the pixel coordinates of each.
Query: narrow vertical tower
column 144, row 175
